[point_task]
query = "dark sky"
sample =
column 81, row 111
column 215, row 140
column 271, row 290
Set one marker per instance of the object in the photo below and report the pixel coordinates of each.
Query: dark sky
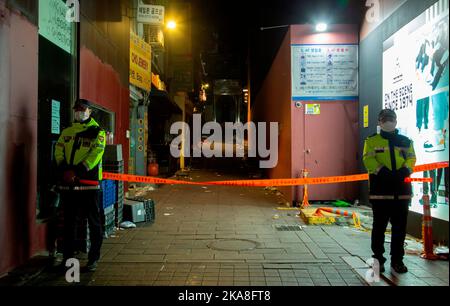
column 238, row 25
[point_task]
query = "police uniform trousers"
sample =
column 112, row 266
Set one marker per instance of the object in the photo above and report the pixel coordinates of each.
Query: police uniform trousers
column 79, row 205
column 396, row 212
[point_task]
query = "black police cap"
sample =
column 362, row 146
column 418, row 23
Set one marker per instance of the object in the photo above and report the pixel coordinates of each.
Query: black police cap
column 82, row 103
column 387, row 114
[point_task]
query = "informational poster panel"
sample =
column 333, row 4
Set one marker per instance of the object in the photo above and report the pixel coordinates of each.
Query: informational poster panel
column 56, row 117
column 416, row 86
column 324, row 72
column 53, row 24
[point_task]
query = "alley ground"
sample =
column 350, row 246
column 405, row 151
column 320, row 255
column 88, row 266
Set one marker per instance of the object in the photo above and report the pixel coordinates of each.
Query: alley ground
column 230, row 236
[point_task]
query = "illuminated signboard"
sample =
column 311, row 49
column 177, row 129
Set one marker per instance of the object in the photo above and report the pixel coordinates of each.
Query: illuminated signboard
column 416, row 86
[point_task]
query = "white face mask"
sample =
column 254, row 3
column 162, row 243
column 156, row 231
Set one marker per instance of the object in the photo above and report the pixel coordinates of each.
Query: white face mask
column 388, row 126
column 81, row 116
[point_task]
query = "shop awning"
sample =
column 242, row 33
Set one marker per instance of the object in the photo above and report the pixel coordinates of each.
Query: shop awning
column 162, row 105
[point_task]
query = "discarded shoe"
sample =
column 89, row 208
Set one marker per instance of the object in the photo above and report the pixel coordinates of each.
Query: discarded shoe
column 399, row 267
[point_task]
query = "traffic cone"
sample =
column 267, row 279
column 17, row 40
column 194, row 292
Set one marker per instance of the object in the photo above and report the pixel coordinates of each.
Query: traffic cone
column 427, row 231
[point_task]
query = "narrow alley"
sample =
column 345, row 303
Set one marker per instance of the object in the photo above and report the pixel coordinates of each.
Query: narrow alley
column 238, row 236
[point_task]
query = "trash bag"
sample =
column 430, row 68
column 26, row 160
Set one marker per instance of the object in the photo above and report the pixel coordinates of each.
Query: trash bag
column 127, row 224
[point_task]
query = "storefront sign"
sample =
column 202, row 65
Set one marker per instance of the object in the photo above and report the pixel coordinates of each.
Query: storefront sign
column 151, row 14
column 140, row 63
column 416, row 86
column 324, row 72
column 53, row 24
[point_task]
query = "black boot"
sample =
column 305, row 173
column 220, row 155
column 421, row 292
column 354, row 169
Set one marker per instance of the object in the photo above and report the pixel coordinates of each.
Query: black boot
column 399, row 267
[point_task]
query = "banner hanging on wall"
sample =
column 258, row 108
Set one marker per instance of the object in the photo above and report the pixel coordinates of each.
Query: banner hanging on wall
column 416, row 86
column 140, row 63
column 325, row 72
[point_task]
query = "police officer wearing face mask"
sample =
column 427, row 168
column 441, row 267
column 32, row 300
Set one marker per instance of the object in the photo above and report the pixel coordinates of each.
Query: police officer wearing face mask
column 78, row 154
column 389, row 158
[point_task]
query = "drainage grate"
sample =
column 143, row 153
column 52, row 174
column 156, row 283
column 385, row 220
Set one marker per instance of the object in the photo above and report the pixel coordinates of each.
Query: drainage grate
column 288, row 228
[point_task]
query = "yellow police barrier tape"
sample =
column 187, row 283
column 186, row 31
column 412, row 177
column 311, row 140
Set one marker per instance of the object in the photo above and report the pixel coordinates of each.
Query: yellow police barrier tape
column 260, row 183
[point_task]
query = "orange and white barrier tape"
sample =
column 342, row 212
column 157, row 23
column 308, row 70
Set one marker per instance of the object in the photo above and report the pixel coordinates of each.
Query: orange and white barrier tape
column 418, row 180
column 429, row 167
column 260, row 183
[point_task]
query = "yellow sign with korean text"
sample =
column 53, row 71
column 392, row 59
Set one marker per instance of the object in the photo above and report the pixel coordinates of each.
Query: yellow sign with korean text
column 140, row 63
column 366, row 116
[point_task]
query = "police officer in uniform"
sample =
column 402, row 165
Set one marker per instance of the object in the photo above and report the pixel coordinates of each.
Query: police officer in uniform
column 389, row 158
column 78, row 154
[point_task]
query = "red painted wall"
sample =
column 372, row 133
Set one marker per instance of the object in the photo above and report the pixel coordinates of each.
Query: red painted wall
column 20, row 236
column 100, row 83
column 272, row 104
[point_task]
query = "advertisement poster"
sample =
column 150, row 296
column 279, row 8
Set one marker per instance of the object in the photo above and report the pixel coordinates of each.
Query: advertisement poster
column 324, row 72
column 140, row 63
column 416, row 86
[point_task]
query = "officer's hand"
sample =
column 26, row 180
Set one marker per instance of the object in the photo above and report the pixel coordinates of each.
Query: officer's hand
column 69, row 177
column 403, row 173
column 384, row 172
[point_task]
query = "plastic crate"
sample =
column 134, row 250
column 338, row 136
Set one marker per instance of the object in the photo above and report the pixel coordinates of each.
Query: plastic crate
column 109, row 193
column 149, row 206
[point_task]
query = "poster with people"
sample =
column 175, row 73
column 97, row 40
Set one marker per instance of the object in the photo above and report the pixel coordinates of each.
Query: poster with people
column 416, row 86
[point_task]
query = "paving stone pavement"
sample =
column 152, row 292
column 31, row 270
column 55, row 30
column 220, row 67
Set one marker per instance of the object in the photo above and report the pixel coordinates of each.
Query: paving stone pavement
column 178, row 249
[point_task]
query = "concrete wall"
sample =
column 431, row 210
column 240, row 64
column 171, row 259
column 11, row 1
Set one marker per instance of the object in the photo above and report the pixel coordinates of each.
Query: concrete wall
column 273, row 104
column 20, row 236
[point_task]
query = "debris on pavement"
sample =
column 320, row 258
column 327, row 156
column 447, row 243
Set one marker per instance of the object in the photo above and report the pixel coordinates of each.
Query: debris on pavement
column 127, row 225
column 441, row 250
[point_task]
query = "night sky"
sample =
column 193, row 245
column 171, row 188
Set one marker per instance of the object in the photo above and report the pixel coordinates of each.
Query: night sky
column 237, row 25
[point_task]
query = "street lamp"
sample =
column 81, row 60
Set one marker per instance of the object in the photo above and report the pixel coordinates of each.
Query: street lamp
column 171, row 25
column 321, row 27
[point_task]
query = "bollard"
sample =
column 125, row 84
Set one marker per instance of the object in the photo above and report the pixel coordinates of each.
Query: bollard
column 305, row 202
column 427, row 231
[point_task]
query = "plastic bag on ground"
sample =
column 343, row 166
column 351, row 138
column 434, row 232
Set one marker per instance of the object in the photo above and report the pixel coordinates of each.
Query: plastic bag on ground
column 127, row 224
